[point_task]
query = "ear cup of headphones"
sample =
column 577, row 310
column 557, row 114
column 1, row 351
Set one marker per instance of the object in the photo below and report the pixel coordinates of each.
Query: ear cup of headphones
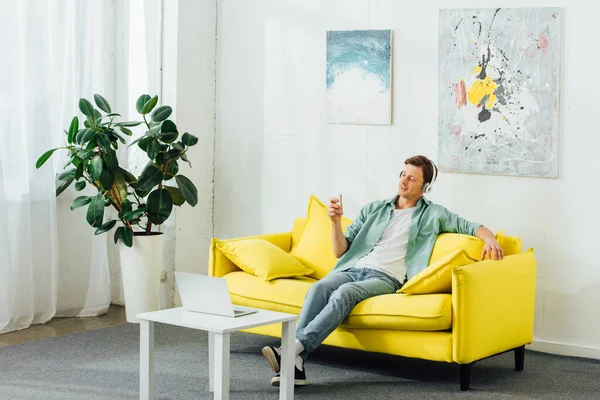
column 427, row 186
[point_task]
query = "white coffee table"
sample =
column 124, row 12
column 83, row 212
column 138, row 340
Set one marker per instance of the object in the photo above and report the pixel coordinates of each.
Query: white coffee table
column 219, row 329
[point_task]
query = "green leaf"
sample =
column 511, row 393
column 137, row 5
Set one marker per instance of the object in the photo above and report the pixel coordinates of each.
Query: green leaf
column 107, row 226
column 121, row 186
column 87, row 135
column 67, row 175
column 141, row 101
column 85, row 154
column 150, row 178
column 168, row 131
column 144, row 142
column 79, row 172
column 102, row 103
column 149, row 105
column 127, row 236
column 97, row 116
column 188, row 190
column 128, row 123
column 79, row 134
column 161, row 113
column 96, row 167
column 189, row 140
column 103, row 141
column 61, row 188
column 110, row 160
column 178, row 146
column 126, row 207
column 173, row 154
column 129, row 177
column 117, row 235
column 130, row 216
column 95, row 212
column 171, row 170
column 176, row 195
column 113, row 115
column 45, row 157
column 184, row 158
column 107, row 179
column 159, row 206
column 80, row 201
column 86, row 108
column 80, row 185
column 73, row 128
column 126, row 131
column 153, row 149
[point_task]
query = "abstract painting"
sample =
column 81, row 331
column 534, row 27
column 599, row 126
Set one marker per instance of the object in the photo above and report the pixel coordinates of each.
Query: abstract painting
column 498, row 91
column 359, row 77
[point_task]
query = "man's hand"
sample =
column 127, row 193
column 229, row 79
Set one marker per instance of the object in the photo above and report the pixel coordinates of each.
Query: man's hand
column 336, row 209
column 493, row 250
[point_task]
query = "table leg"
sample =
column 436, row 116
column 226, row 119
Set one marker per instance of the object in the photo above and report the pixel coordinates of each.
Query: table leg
column 146, row 360
column 288, row 340
column 211, row 361
column 221, row 371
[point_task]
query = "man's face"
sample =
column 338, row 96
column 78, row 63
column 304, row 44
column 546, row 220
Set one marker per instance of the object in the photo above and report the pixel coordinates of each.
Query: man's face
column 411, row 182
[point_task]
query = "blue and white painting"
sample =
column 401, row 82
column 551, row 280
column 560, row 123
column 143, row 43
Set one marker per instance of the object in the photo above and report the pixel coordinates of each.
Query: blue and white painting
column 359, row 77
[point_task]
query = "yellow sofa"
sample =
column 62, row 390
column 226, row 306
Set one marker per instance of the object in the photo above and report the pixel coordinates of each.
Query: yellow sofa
column 490, row 309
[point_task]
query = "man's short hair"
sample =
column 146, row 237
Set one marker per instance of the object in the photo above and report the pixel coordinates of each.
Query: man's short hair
column 425, row 164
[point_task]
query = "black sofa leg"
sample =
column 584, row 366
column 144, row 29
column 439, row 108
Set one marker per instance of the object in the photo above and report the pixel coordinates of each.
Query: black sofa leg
column 519, row 358
column 465, row 376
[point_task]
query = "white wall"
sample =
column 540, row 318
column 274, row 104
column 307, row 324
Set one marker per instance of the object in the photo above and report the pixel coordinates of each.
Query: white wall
column 273, row 148
column 195, row 114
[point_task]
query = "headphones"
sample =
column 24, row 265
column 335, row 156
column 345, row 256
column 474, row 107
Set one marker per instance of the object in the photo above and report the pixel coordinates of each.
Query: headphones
column 427, row 186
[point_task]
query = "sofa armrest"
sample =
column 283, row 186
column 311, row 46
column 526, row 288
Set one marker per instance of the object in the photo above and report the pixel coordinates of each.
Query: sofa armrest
column 219, row 265
column 493, row 306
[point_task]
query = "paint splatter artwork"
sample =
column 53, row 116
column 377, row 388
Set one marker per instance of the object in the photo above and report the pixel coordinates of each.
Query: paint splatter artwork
column 359, row 77
column 498, row 91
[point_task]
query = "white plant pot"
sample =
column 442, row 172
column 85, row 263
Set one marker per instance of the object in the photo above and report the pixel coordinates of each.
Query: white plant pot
column 141, row 266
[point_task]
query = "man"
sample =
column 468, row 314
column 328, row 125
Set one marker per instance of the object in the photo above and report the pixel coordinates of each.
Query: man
column 388, row 243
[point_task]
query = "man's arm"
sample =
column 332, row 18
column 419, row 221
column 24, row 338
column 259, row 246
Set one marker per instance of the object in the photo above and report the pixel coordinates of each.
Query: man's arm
column 335, row 212
column 492, row 248
column 450, row 222
column 340, row 244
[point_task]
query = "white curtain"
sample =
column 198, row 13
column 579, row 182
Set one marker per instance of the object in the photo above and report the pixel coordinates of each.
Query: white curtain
column 55, row 52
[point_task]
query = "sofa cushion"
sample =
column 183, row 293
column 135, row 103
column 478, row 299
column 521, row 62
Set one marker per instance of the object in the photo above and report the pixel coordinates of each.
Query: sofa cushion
column 447, row 243
column 430, row 312
column 262, row 259
column 510, row 244
column 314, row 248
column 437, row 278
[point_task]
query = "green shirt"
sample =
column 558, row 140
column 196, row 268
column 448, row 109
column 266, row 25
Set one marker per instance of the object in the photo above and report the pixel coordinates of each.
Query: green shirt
column 428, row 221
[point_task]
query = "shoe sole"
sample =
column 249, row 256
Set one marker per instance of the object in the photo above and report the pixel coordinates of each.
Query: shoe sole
column 297, row 382
column 267, row 352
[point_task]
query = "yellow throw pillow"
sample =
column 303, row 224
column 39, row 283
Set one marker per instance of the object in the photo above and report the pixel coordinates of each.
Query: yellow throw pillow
column 262, row 259
column 447, row 243
column 437, row 278
column 510, row 244
column 314, row 248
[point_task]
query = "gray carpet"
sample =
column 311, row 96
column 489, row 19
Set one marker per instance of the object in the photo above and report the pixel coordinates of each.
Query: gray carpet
column 103, row 364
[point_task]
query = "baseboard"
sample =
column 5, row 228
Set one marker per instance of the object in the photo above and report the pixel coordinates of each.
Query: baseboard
column 564, row 349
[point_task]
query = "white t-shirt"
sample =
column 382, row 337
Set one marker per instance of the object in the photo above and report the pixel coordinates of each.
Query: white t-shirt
column 389, row 253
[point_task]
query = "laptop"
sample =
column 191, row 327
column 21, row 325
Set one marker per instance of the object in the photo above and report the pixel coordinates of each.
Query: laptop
column 208, row 295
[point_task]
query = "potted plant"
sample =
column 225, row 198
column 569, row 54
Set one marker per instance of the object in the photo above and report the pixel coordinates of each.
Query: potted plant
column 140, row 202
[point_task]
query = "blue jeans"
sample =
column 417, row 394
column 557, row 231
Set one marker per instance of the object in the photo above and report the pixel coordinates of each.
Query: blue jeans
column 331, row 299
